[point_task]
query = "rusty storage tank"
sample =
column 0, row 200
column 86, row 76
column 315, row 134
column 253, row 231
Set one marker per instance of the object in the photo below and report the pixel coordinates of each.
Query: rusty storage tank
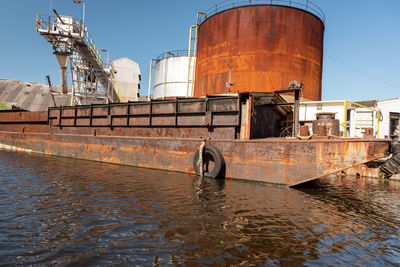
column 264, row 45
column 327, row 119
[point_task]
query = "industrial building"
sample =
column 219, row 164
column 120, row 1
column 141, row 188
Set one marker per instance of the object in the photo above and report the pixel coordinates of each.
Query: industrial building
column 354, row 117
column 30, row 95
column 127, row 79
column 390, row 110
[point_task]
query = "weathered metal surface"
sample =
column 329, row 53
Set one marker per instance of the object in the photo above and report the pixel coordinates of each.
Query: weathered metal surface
column 165, row 143
column 210, row 112
column 23, row 117
column 266, row 122
column 186, row 132
column 370, row 169
column 369, row 132
column 281, row 161
column 216, row 117
column 304, row 131
column 320, row 129
column 267, row 46
column 395, row 177
column 327, row 119
column 25, row 128
column 212, row 117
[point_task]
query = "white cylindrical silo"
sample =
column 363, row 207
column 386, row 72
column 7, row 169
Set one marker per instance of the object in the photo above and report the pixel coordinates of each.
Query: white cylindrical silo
column 171, row 75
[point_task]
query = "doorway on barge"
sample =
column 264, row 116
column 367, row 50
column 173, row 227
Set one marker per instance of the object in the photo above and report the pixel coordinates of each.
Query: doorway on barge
column 394, row 123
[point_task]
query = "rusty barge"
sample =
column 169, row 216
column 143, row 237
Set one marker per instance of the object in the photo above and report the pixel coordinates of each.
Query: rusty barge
column 237, row 134
column 250, row 133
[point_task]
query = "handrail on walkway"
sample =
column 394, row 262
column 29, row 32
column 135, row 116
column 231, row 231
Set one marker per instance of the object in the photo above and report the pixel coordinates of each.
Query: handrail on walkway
column 306, row 5
column 70, row 28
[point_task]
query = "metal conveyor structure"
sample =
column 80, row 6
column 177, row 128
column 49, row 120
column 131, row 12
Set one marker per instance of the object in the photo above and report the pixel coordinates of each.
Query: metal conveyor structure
column 93, row 79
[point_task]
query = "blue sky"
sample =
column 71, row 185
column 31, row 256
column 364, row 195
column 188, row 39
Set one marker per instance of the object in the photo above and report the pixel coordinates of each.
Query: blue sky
column 361, row 53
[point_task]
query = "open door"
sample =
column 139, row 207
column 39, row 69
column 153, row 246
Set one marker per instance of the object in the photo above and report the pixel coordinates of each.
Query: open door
column 394, row 122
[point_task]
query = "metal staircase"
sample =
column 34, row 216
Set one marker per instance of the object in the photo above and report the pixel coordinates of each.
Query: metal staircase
column 93, row 79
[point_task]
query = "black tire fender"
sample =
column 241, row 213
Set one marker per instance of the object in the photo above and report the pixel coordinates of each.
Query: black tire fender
column 210, row 153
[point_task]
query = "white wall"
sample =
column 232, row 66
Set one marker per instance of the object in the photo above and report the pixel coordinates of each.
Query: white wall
column 360, row 118
column 127, row 78
column 309, row 110
column 387, row 106
column 175, row 77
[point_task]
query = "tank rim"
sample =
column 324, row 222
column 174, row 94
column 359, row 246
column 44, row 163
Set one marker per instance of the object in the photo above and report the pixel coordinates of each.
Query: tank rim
column 226, row 5
column 175, row 53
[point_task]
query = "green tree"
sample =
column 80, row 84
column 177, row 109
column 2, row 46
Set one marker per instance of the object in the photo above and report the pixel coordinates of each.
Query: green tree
column 3, row 106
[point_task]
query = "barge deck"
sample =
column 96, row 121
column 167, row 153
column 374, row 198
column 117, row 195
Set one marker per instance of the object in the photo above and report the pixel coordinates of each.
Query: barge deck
column 167, row 134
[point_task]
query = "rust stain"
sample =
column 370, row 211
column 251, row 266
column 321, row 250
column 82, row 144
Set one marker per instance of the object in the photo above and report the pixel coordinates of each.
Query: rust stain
column 23, row 117
column 272, row 160
column 267, row 47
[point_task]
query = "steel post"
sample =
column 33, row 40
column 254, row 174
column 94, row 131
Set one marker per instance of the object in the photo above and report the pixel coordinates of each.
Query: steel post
column 296, row 113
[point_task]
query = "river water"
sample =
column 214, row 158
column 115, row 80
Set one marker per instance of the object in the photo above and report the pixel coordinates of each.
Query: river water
column 58, row 211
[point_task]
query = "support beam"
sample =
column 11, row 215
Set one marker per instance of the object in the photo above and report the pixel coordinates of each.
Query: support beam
column 296, row 113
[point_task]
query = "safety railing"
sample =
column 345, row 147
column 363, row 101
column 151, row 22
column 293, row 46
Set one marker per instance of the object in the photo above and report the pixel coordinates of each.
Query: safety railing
column 175, row 53
column 347, row 104
column 363, row 123
column 228, row 4
column 71, row 27
column 87, row 38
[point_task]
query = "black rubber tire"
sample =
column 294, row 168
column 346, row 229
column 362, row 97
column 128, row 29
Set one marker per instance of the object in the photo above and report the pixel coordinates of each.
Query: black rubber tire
column 210, row 154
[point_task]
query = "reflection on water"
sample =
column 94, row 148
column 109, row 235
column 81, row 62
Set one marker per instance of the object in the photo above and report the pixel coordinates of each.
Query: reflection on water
column 64, row 211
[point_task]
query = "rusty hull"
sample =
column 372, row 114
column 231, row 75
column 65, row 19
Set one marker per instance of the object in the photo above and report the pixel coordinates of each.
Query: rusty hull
column 289, row 162
column 266, row 46
column 23, row 117
column 166, row 134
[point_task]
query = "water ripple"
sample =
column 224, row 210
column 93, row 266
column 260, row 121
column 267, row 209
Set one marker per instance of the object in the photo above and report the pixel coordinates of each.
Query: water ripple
column 57, row 211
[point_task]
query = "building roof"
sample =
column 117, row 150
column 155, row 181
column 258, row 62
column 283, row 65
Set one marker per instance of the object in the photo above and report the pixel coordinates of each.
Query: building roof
column 368, row 103
column 322, row 102
column 125, row 59
column 29, row 96
column 389, row 100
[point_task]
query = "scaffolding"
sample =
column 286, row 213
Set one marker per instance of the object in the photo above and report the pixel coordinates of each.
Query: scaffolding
column 93, row 79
